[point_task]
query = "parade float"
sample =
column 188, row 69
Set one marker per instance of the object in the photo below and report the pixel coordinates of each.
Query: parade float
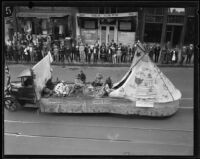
column 144, row 90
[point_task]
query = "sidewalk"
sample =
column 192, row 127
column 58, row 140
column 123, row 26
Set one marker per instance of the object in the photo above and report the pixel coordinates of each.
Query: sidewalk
column 99, row 64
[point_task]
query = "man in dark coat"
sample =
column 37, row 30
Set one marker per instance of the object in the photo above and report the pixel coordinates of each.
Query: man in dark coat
column 82, row 76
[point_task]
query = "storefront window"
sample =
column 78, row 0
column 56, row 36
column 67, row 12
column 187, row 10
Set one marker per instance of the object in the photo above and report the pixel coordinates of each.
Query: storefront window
column 127, row 25
column 88, row 23
column 176, row 10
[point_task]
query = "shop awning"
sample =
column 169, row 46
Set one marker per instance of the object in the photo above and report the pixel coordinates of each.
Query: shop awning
column 41, row 15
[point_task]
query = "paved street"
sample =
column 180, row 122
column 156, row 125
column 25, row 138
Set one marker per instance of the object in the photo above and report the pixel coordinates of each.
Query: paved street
column 30, row 132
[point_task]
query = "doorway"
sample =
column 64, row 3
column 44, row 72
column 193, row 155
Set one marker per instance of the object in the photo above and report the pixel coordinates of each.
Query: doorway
column 107, row 33
column 173, row 34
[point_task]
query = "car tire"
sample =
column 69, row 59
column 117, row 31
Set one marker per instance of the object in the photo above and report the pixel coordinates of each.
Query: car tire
column 11, row 104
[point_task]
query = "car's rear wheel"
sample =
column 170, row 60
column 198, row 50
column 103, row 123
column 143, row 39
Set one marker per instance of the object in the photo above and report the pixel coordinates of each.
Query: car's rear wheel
column 11, row 104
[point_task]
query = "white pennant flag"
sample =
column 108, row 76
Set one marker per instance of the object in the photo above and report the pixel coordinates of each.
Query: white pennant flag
column 42, row 72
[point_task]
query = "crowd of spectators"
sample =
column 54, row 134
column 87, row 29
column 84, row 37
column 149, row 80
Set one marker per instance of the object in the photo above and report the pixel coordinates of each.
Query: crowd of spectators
column 32, row 48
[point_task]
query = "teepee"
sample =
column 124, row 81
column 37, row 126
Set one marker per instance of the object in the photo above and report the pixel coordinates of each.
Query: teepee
column 145, row 82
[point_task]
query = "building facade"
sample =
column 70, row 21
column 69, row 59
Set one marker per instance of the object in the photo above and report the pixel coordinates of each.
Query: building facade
column 106, row 24
column 57, row 22
column 103, row 24
column 173, row 25
column 126, row 25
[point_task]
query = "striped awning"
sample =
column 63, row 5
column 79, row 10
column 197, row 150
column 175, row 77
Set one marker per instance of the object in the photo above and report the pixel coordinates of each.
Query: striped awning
column 41, row 15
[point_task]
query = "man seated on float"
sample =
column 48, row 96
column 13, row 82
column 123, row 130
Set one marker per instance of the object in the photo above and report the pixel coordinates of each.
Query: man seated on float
column 48, row 89
column 106, row 88
column 78, row 83
column 82, row 76
column 98, row 82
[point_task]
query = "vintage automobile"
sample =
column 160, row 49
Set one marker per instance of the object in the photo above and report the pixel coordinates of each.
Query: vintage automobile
column 18, row 93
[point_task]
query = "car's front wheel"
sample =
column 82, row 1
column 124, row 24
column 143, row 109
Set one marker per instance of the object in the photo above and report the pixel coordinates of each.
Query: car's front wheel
column 11, row 104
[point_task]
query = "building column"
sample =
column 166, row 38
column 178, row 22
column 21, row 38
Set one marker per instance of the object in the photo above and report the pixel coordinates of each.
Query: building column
column 137, row 29
column 142, row 26
column 99, row 31
column 77, row 29
column 116, row 33
column 182, row 38
column 163, row 35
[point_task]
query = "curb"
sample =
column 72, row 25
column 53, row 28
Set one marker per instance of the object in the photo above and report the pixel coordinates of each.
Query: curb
column 100, row 64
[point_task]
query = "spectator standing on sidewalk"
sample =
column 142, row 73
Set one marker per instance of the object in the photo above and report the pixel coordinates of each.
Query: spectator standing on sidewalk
column 95, row 54
column 86, row 52
column 109, row 53
column 183, row 55
column 133, row 49
column 157, row 52
column 62, row 52
column 89, row 54
column 82, row 52
column 190, row 52
column 129, row 54
column 77, row 54
column 56, row 52
column 26, row 53
column 103, row 53
column 67, row 53
column 151, row 48
column 119, row 54
column 31, row 52
column 73, row 51
column 114, row 55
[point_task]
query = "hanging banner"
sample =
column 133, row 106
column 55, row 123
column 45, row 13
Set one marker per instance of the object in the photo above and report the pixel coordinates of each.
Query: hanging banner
column 112, row 15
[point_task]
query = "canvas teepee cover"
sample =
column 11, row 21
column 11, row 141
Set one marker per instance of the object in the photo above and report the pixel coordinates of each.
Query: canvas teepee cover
column 145, row 82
